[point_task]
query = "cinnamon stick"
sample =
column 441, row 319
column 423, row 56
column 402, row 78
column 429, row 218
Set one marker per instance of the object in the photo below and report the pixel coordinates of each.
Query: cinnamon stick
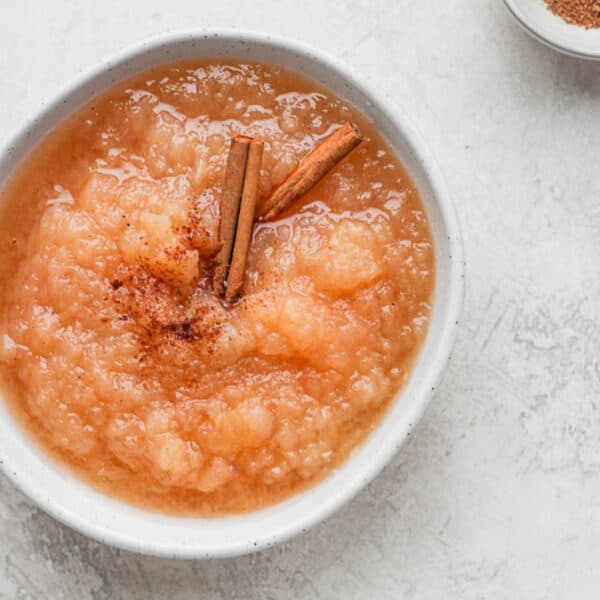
column 230, row 207
column 243, row 232
column 311, row 170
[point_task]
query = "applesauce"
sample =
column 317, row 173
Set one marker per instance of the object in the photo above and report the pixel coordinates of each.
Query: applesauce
column 115, row 352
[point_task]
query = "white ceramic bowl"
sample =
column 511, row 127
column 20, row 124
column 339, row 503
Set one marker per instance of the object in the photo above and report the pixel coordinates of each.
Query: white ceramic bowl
column 74, row 503
column 551, row 30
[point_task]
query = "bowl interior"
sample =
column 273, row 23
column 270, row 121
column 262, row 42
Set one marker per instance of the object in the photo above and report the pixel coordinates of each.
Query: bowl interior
column 554, row 31
column 109, row 520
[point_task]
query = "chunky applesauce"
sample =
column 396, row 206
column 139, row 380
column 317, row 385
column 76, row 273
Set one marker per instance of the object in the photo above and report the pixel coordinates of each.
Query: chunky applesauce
column 115, row 352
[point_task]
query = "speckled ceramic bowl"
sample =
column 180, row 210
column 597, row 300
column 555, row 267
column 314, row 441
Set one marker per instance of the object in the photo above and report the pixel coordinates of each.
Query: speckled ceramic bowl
column 551, row 30
column 76, row 504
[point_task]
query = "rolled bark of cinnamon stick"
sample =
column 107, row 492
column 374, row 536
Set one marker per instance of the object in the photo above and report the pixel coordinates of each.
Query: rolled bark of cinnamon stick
column 230, row 207
column 311, row 170
column 243, row 232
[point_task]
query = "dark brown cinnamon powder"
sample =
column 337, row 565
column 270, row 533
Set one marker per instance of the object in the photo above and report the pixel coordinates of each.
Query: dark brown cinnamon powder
column 585, row 13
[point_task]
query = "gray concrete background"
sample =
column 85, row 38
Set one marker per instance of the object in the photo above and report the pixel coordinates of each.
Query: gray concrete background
column 498, row 494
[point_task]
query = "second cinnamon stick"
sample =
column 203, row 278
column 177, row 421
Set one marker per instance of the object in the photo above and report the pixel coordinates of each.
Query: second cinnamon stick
column 311, row 170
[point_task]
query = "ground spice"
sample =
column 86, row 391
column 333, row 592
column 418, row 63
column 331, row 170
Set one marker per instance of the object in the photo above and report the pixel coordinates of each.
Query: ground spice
column 585, row 13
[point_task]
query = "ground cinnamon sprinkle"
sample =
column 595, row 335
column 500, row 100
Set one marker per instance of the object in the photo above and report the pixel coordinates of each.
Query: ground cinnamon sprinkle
column 585, row 13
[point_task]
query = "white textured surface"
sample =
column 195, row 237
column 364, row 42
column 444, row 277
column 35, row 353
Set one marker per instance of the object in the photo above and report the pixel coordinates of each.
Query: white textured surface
column 498, row 494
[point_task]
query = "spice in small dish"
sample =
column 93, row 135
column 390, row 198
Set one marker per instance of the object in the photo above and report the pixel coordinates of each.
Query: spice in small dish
column 585, row 13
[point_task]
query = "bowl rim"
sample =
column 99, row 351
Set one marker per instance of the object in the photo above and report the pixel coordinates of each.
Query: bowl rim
column 447, row 335
column 542, row 36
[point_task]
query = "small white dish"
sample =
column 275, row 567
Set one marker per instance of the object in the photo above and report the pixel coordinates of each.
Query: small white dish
column 546, row 27
column 56, row 490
